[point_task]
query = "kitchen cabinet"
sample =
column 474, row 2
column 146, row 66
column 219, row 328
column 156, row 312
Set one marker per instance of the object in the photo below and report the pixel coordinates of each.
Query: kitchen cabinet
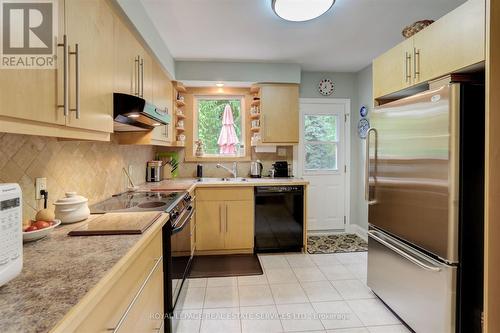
column 452, row 43
column 225, row 219
column 126, row 60
column 279, row 113
column 163, row 98
column 89, row 24
column 131, row 296
column 32, row 99
column 393, row 70
column 455, row 41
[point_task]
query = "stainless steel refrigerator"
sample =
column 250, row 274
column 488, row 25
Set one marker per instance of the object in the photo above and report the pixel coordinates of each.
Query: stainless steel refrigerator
column 424, row 185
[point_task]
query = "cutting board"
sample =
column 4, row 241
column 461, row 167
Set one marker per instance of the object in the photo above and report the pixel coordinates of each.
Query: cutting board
column 117, row 224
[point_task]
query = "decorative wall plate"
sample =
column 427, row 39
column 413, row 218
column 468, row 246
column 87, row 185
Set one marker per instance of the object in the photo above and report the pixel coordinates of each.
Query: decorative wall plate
column 363, row 127
column 363, row 111
column 326, row 87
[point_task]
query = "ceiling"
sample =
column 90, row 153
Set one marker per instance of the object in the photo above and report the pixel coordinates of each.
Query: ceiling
column 345, row 39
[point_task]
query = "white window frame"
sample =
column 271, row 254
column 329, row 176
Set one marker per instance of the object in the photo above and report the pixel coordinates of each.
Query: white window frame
column 333, row 143
column 196, row 110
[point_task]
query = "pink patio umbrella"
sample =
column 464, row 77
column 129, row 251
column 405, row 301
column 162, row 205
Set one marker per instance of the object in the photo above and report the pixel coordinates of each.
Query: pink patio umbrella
column 227, row 137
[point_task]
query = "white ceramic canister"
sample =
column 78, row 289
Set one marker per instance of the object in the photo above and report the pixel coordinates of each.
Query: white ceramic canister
column 72, row 208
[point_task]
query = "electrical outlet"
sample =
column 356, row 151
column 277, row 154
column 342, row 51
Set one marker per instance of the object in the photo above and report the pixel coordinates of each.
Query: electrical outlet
column 40, row 184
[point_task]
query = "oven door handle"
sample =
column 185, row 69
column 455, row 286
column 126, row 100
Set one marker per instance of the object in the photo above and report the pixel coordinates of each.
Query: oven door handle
column 186, row 220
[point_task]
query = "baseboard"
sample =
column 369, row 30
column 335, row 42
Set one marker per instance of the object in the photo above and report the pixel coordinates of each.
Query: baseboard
column 356, row 229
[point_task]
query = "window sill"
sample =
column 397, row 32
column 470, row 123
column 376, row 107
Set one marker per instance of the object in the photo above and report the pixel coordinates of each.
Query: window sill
column 217, row 159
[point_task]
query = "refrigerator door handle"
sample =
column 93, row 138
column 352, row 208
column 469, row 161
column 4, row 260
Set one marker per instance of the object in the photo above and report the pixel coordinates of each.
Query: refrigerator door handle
column 367, row 164
column 373, row 234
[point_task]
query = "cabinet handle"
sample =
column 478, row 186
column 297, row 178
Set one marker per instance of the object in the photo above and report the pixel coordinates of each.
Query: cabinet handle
column 220, row 218
column 407, row 64
column 65, row 104
column 263, row 127
column 367, row 163
column 136, row 68
column 225, row 217
column 142, row 78
column 416, row 62
column 77, row 81
column 136, row 297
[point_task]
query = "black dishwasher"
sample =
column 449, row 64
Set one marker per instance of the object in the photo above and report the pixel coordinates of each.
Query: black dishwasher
column 279, row 218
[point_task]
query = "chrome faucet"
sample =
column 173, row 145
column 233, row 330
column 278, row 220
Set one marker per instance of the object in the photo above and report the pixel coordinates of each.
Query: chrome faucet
column 233, row 172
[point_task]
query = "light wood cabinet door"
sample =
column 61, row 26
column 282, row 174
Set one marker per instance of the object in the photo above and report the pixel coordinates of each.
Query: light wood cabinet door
column 392, row 71
column 455, row 41
column 33, row 94
column 89, row 24
column 163, row 99
column 239, row 225
column 210, row 233
column 279, row 104
column 147, row 312
column 126, row 70
column 146, row 72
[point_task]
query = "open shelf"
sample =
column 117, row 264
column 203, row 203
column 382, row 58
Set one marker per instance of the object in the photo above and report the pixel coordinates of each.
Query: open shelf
column 255, row 116
column 180, row 116
column 255, row 129
column 180, row 87
column 180, row 103
column 256, row 102
column 254, row 90
column 180, row 129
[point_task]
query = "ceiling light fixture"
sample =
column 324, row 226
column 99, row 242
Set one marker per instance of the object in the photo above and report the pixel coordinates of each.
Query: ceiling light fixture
column 301, row 10
column 133, row 115
column 220, row 84
column 156, row 124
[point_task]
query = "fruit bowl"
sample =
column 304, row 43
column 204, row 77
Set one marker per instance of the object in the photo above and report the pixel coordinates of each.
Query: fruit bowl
column 30, row 236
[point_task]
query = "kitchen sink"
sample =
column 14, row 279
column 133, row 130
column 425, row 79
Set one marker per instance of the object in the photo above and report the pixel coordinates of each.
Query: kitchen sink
column 216, row 180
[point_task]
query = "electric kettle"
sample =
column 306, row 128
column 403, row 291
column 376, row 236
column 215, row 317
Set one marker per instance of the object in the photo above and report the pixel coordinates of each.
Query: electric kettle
column 256, row 169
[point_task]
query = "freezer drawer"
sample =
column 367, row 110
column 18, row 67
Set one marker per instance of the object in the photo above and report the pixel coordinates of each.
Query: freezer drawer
column 419, row 289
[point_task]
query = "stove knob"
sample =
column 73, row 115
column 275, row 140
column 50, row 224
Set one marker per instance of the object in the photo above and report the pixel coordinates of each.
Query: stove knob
column 174, row 215
column 187, row 197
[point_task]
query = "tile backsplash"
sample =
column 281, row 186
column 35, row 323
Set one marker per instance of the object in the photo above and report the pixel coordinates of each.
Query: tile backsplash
column 188, row 169
column 92, row 169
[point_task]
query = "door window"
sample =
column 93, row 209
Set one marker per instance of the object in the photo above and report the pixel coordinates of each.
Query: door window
column 321, row 142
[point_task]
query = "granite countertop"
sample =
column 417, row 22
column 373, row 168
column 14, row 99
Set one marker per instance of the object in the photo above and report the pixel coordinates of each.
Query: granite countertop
column 58, row 271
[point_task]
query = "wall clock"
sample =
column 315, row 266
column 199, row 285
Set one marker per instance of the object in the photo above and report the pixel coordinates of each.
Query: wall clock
column 326, row 87
column 363, row 127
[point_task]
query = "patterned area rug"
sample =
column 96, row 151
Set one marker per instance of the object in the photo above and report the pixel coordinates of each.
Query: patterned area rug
column 338, row 243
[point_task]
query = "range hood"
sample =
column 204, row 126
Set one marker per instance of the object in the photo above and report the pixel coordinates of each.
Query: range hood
column 133, row 114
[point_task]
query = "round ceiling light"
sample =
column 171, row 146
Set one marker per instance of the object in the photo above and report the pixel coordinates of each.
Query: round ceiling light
column 301, row 10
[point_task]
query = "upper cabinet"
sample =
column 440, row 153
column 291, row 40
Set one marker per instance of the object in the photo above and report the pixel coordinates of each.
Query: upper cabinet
column 73, row 100
column 455, row 41
column 89, row 30
column 279, row 113
column 163, row 98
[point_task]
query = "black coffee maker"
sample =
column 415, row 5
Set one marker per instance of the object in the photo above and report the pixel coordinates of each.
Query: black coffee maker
column 280, row 169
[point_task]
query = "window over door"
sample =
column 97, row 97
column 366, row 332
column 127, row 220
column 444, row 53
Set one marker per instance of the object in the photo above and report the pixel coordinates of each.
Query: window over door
column 321, row 141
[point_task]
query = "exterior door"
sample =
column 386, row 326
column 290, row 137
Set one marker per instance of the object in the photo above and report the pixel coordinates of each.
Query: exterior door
column 323, row 162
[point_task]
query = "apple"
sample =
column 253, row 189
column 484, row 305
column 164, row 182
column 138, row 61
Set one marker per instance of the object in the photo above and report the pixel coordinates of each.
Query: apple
column 30, row 228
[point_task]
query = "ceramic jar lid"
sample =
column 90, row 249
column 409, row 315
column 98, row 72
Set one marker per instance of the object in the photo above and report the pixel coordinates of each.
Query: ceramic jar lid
column 71, row 198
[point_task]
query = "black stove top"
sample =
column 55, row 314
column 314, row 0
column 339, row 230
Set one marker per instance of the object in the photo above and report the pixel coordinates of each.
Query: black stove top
column 139, row 202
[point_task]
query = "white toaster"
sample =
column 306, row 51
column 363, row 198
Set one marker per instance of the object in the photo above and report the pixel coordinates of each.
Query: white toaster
column 11, row 232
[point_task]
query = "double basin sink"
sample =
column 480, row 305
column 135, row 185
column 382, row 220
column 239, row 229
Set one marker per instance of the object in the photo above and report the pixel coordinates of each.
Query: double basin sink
column 225, row 180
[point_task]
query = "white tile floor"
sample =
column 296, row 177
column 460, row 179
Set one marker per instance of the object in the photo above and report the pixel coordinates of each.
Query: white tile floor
column 297, row 293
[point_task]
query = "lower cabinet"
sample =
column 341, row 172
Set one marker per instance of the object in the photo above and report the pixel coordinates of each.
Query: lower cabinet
column 132, row 303
column 225, row 219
